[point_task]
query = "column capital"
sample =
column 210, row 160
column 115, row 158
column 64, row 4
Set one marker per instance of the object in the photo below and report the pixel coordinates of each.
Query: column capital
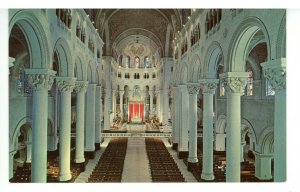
column 40, row 79
column 193, row 88
column 121, row 92
column 234, row 82
column 80, row 86
column 65, row 84
column 209, row 85
column 275, row 72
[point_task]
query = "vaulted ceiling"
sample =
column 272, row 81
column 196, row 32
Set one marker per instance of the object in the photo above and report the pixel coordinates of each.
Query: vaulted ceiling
column 159, row 25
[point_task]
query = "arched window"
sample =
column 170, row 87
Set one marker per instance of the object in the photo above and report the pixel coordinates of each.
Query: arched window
column 249, row 87
column 221, row 84
column 136, row 62
column 120, row 60
column 146, row 62
column 127, row 61
column 269, row 89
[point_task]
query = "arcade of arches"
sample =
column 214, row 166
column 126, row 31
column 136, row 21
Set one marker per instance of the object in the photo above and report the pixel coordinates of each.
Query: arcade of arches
column 147, row 95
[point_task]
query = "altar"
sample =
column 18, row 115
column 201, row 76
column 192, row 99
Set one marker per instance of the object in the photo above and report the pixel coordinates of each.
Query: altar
column 136, row 119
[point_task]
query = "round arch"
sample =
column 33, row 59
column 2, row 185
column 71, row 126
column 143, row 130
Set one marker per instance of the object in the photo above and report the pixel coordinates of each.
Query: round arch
column 241, row 41
column 221, row 124
column 246, row 127
column 266, row 141
column 79, row 71
column 195, row 69
column 35, row 36
column 281, row 39
column 15, row 134
column 184, row 74
column 62, row 49
column 213, row 56
column 91, row 73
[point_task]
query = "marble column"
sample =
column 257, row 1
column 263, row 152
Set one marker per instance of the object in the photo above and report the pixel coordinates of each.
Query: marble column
column 113, row 98
column 263, row 166
column 98, row 117
column 151, row 102
column 121, row 103
column 157, row 107
column 65, row 86
column 80, row 89
column 41, row 81
column 235, row 83
column 11, row 163
column 29, row 151
column 220, row 142
column 275, row 72
column 243, row 143
column 184, row 123
column 165, row 107
column 89, row 148
column 193, row 89
column 208, row 87
column 177, row 116
column 106, row 110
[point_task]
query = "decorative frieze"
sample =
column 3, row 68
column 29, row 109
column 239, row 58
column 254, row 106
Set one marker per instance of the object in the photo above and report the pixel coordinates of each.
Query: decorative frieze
column 65, row 84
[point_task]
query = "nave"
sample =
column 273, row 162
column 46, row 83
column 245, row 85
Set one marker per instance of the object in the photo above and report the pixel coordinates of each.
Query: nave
column 139, row 160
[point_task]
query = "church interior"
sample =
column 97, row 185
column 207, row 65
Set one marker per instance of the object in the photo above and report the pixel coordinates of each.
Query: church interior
column 147, row 95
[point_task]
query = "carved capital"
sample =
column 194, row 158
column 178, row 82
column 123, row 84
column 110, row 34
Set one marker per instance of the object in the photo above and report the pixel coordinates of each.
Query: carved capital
column 40, row 79
column 65, row 84
column 80, row 86
column 234, row 82
column 209, row 85
column 193, row 88
column 276, row 77
column 275, row 72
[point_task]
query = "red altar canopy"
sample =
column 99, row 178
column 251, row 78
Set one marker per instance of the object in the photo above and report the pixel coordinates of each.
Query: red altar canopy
column 136, row 110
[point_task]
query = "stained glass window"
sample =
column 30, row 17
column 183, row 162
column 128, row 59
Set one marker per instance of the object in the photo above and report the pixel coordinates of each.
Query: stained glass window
column 249, row 87
column 269, row 89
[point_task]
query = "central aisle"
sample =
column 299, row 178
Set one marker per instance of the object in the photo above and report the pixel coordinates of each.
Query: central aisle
column 136, row 164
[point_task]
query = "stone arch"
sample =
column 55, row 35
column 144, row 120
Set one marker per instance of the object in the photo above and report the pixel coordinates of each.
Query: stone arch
column 241, row 41
column 266, row 141
column 184, row 74
column 62, row 49
column 213, row 56
column 91, row 73
column 79, row 71
column 246, row 127
column 221, row 124
column 281, row 39
column 35, row 36
column 15, row 134
column 195, row 69
column 98, row 76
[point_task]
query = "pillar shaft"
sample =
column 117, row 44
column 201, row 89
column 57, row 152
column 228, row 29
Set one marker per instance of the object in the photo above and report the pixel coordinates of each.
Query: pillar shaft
column 28, row 154
column 65, row 85
column 121, row 104
column 11, row 163
column 193, row 90
column 90, row 118
column 97, row 116
column 263, row 166
column 80, row 88
column 177, row 115
column 234, row 84
column 184, row 125
column 41, row 81
column 106, row 110
column 165, row 108
column 113, row 98
column 208, row 87
column 275, row 72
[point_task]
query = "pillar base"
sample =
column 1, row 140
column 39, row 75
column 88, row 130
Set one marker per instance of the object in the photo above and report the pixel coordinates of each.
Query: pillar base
column 207, row 176
column 183, row 154
column 175, row 146
column 65, row 178
column 192, row 166
column 97, row 146
column 81, row 166
column 79, row 160
column 89, row 154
